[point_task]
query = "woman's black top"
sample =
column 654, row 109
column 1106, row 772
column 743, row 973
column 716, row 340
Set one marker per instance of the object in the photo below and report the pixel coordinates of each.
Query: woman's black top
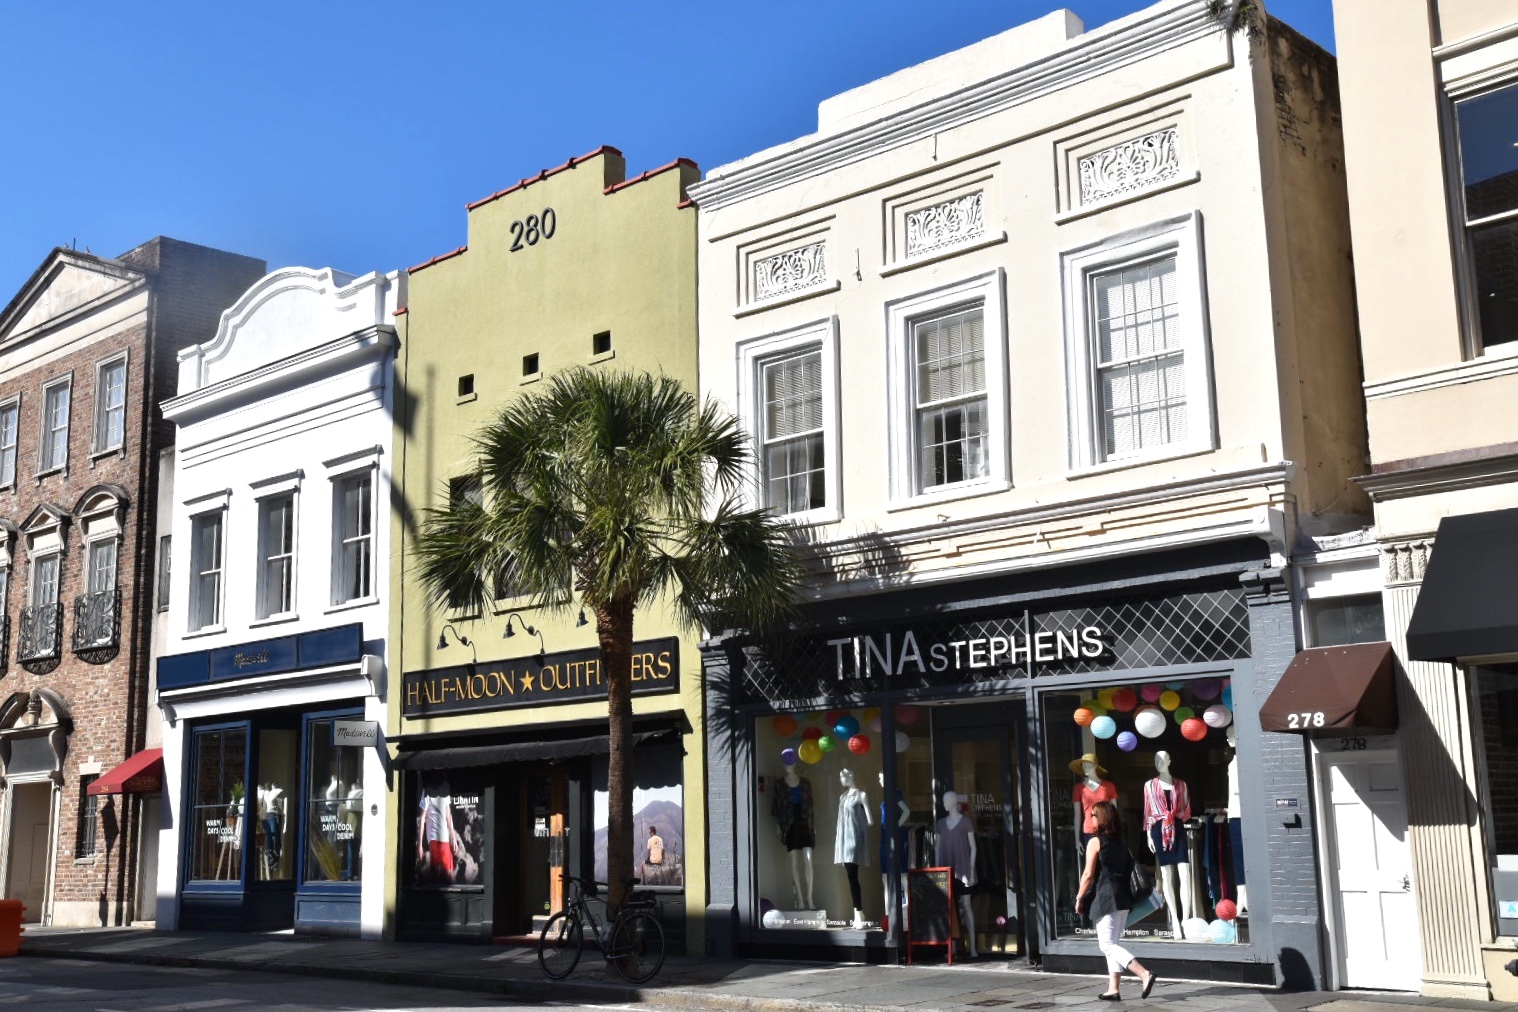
column 1114, row 865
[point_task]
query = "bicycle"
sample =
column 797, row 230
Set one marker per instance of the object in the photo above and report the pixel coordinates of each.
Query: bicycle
column 633, row 943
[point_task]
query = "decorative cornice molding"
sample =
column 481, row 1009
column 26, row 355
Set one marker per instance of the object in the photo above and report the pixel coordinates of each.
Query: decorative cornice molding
column 1089, row 56
column 1428, row 479
column 1502, row 361
column 1403, row 563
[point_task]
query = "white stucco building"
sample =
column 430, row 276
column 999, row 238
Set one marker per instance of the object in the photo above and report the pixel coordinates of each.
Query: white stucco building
column 271, row 673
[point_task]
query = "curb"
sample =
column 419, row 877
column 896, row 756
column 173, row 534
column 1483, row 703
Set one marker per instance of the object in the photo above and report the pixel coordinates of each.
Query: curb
column 668, row 997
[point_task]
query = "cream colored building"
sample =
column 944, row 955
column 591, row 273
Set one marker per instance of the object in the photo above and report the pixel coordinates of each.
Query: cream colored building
column 1430, row 98
column 1049, row 345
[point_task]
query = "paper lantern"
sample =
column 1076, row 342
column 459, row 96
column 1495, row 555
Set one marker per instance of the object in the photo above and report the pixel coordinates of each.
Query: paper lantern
column 907, row 714
column 1149, row 722
column 772, row 919
column 785, row 725
column 1104, row 727
column 859, row 744
column 1175, row 686
column 1217, row 715
column 1124, row 700
column 812, row 733
column 1001, row 920
column 845, row 726
column 827, row 743
column 873, row 723
column 1193, row 730
column 1097, row 709
column 1227, row 699
column 903, row 741
column 831, row 717
column 809, row 751
column 1223, row 932
column 1084, row 717
column 1183, row 714
column 1104, row 698
column 1206, row 688
column 788, row 756
column 1197, row 929
column 1170, row 699
column 1226, row 910
column 1127, row 741
column 1151, row 692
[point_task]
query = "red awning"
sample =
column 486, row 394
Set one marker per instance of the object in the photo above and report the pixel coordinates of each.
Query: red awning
column 141, row 774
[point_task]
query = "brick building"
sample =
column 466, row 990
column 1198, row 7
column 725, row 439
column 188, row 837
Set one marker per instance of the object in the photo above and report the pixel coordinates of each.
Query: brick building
column 86, row 355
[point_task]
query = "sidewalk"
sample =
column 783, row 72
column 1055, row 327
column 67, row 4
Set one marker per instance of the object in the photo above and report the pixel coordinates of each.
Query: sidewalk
column 686, row 982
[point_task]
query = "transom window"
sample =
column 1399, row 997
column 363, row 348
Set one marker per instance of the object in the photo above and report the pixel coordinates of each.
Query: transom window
column 110, row 406
column 205, row 569
column 55, row 427
column 950, row 365
column 794, row 464
column 355, row 539
column 1489, row 183
column 276, row 555
column 1140, row 361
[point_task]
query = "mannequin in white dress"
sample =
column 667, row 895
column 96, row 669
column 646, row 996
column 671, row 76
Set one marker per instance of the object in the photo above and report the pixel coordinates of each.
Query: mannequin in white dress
column 851, row 842
column 956, row 851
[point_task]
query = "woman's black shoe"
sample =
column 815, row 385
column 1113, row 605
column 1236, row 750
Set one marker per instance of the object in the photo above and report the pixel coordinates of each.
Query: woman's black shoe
column 1113, row 996
column 1149, row 985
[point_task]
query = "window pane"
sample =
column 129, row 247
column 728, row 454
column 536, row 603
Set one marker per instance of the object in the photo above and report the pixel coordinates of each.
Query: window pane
column 355, row 544
column 950, row 357
column 1343, row 620
column 45, row 580
column 8, row 418
column 110, row 401
column 205, row 564
column 102, row 566
column 277, row 533
column 1141, row 380
column 55, row 436
column 334, row 821
column 952, row 444
column 219, row 794
column 793, row 396
column 1494, row 258
column 274, row 832
column 793, row 433
column 1488, row 158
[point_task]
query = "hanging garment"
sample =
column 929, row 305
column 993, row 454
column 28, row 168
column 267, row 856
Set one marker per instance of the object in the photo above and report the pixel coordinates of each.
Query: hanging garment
column 792, row 809
column 1166, row 808
column 954, row 847
column 851, row 841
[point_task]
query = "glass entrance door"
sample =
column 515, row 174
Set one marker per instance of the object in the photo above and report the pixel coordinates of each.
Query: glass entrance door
column 976, row 762
column 544, row 830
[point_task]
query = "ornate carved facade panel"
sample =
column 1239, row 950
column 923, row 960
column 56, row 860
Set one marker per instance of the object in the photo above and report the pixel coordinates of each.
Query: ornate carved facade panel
column 1129, row 167
column 793, row 270
column 949, row 223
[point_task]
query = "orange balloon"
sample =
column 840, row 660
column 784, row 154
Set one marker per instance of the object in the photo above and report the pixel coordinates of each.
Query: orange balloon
column 1084, row 717
column 785, row 725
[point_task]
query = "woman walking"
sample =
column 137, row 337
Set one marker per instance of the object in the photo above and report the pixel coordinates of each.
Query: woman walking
column 1105, row 894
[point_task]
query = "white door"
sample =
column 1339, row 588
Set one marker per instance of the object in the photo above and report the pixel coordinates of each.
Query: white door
column 1370, row 869
column 147, row 867
column 31, row 831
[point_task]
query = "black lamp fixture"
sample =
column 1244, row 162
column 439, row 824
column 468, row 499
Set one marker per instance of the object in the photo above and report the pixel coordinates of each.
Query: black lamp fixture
column 529, row 630
column 581, row 620
column 442, row 640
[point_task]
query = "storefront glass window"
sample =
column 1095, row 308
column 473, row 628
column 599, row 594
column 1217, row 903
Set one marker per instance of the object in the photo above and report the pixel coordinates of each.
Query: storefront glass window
column 1495, row 689
column 334, row 807
column 447, row 820
column 274, row 832
column 819, row 814
column 219, row 804
column 1165, row 754
column 658, row 817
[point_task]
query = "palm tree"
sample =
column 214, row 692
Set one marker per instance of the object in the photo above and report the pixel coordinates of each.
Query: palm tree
column 621, row 491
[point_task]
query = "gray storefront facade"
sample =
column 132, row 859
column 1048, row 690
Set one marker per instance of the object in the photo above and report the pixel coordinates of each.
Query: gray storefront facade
column 994, row 712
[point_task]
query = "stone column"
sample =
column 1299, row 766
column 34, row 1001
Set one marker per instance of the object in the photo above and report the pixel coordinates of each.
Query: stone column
column 1444, row 830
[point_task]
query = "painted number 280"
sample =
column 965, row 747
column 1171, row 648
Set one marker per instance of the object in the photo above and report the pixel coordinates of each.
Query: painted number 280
column 1300, row 720
column 532, row 228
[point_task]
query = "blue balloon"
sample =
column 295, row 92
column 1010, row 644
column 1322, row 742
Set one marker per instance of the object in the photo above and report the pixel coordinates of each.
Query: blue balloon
column 1104, row 727
column 1228, row 697
column 1127, row 741
column 1225, row 932
column 847, row 726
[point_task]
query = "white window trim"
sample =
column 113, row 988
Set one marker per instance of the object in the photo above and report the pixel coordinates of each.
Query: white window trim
column 97, row 449
column 193, row 570
column 368, row 466
column 1182, row 236
column 752, row 355
column 44, row 432
column 13, row 403
column 286, row 486
column 989, row 291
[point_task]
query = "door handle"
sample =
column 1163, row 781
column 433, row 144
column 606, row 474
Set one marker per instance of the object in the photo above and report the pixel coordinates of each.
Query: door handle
column 1407, row 883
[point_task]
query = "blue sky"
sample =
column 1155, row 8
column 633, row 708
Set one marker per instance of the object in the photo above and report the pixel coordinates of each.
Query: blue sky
column 352, row 135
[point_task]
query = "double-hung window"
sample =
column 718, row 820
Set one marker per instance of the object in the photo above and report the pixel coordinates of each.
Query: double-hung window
column 102, row 566
column 1138, row 381
column 206, row 560
column 1489, row 210
column 10, row 416
column 54, row 449
column 353, row 576
column 110, row 406
column 948, row 391
column 788, row 401
column 276, row 555
column 464, row 492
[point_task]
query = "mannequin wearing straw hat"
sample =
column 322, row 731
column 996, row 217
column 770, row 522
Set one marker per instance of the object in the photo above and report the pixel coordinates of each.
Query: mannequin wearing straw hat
column 1091, row 789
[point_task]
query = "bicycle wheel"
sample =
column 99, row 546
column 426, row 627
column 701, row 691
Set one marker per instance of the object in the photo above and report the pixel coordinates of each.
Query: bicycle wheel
column 637, row 947
column 560, row 944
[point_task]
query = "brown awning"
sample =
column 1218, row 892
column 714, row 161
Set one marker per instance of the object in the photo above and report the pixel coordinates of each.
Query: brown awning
column 141, row 774
column 1334, row 688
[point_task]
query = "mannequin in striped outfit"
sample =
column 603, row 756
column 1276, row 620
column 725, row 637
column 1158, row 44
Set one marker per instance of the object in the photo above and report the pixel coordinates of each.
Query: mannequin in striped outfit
column 1167, row 806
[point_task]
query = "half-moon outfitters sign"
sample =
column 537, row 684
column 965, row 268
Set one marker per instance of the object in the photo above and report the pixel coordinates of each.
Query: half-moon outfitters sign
column 561, row 678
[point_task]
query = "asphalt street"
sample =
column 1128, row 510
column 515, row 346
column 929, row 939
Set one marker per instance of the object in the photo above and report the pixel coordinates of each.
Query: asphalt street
column 84, row 986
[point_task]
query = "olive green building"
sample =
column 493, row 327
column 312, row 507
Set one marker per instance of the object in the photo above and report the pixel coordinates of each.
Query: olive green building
column 497, row 718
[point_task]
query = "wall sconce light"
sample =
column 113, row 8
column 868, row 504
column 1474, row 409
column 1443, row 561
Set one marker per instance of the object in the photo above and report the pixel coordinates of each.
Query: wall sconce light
column 442, row 641
column 529, row 630
column 581, row 620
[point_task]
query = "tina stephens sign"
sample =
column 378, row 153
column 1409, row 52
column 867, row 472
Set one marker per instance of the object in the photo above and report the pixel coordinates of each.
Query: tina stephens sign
column 565, row 677
column 896, row 654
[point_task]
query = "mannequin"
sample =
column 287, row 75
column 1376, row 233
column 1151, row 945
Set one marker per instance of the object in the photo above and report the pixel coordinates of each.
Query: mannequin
column 1090, row 789
column 1167, row 806
column 1235, row 812
column 851, row 842
column 956, row 851
column 792, row 809
column 271, row 820
column 903, row 814
column 353, row 814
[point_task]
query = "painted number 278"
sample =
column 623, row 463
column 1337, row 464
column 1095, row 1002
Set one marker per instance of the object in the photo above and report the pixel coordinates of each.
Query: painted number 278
column 532, row 228
column 1296, row 721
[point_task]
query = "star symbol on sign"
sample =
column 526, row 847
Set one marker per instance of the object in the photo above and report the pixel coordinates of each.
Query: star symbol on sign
column 527, row 681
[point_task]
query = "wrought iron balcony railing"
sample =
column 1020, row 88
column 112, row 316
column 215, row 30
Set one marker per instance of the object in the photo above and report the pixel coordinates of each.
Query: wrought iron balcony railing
column 97, row 620
column 41, row 626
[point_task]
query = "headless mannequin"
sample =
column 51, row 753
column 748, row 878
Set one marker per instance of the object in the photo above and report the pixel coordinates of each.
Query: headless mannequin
column 903, row 813
column 1235, row 811
column 1175, row 879
column 852, row 841
column 951, row 828
column 801, row 858
column 271, row 817
column 1096, row 788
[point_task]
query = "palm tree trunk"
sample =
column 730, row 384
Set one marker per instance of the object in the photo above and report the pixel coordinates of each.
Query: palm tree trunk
column 614, row 629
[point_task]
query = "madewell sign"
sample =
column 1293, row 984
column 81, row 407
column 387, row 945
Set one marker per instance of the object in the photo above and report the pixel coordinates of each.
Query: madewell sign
column 355, row 733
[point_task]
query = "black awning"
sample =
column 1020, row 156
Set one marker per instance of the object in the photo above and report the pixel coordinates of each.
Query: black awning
column 1335, row 688
column 462, row 757
column 1468, row 605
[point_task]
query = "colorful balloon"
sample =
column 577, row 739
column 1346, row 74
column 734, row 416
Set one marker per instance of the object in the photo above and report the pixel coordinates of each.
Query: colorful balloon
column 1227, row 698
column 1196, row 928
column 1127, row 741
column 1223, row 932
column 1151, row 692
column 1084, row 717
column 907, row 714
column 1097, row 709
column 788, row 756
column 812, row 733
column 1193, row 730
column 1183, row 714
column 1226, row 910
column 827, row 743
column 859, row 744
column 1124, row 700
column 831, row 717
column 785, row 725
column 903, row 741
column 1170, row 699
column 1206, row 688
column 1217, row 715
column 1104, row 697
column 1149, row 722
column 809, row 751
column 1175, row 686
column 1104, row 727
column 846, row 725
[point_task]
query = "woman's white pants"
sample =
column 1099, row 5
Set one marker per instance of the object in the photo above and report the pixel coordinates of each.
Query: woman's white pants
column 1109, row 932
